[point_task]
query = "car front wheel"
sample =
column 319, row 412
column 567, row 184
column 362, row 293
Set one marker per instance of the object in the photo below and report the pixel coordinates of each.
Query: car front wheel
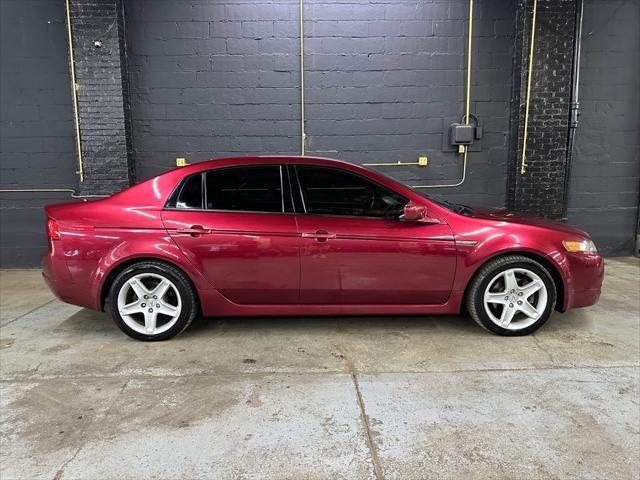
column 511, row 295
column 152, row 301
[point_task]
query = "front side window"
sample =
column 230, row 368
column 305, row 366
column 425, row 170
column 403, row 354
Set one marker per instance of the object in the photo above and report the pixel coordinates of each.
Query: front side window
column 248, row 189
column 330, row 191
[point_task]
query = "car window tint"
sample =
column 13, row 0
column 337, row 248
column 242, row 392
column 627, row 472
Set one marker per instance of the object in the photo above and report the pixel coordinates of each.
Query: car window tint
column 249, row 189
column 331, row 191
column 191, row 193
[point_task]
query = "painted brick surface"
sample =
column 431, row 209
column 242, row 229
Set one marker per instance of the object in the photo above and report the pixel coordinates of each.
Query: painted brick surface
column 541, row 190
column 605, row 175
column 219, row 79
column 102, row 95
column 36, row 128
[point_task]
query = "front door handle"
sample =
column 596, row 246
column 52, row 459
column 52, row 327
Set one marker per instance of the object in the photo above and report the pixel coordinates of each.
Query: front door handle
column 319, row 235
column 193, row 230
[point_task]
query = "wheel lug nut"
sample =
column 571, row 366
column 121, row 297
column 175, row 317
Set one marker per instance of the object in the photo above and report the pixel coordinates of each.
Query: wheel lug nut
column 519, row 294
column 157, row 305
column 507, row 297
column 146, row 296
column 155, row 296
column 519, row 302
column 513, row 291
column 151, row 310
column 511, row 305
column 143, row 305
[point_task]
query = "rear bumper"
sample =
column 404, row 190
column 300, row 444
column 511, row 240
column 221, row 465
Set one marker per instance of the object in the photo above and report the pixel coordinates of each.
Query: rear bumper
column 57, row 277
column 584, row 279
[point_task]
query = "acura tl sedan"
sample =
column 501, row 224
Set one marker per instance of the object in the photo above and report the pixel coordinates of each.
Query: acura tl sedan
column 274, row 236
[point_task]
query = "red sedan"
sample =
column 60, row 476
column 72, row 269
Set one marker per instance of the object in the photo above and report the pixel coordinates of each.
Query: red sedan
column 308, row 236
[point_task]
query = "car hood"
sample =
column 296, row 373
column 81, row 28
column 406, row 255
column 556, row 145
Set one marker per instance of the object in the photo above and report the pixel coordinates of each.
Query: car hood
column 502, row 215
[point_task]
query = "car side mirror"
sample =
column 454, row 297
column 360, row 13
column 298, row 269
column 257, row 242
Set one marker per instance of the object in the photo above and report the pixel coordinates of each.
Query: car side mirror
column 416, row 213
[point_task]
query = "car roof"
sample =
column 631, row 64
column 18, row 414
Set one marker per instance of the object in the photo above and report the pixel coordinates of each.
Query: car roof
column 270, row 159
column 265, row 159
column 158, row 189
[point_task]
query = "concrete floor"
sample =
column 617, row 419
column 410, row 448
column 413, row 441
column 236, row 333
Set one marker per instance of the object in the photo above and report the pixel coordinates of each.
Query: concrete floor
column 393, row 398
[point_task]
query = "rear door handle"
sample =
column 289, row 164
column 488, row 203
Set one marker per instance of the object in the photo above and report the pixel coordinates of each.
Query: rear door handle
column 194, row 230
column 319, row 235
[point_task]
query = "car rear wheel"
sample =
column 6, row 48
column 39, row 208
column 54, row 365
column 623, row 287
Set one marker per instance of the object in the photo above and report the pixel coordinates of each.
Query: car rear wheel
column 511, row 295
column 152, row 301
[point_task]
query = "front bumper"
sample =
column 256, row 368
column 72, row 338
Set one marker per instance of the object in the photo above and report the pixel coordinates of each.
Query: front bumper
column 585, row 274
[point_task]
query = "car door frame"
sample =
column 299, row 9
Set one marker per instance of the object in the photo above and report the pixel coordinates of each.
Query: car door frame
column 446, row 245
column 245, row 235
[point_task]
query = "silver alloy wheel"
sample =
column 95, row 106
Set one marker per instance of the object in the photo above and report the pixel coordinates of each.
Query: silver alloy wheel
column 149, row 304
column 515, row 298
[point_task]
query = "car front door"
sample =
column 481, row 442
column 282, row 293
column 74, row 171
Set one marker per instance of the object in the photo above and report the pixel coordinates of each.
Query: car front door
column 237, row 229
column 356, row 249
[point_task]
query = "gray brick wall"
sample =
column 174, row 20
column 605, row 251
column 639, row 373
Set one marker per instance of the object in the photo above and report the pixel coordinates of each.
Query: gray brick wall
column 221, row 78
column 211, row 79
column 605, row 175
column 36, row 128
column 215, row 79
column 541, row 190
column 102, row 101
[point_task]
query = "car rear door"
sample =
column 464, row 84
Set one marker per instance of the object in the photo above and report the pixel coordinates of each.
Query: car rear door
column 235, row 226
column 355, row 248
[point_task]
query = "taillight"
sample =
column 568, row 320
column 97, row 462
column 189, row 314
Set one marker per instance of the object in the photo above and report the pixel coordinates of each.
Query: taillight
column 53, row 231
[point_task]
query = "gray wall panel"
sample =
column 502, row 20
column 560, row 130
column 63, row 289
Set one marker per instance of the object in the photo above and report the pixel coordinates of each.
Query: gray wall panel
column 36, row 128
column 606, row 163
column 210, row 80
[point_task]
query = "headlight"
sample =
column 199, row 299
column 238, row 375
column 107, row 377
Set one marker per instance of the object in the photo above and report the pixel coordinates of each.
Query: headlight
column 579, row 246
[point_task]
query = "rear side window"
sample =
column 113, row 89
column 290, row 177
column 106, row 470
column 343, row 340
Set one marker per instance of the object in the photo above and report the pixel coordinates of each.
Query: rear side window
column 245, row 189
column 190, row 195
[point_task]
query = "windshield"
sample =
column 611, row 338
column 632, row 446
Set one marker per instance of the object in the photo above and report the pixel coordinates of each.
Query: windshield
column 454, row 207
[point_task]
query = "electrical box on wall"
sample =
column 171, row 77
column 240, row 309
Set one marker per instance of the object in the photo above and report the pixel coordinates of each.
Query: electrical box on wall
column 456, row 133
column 461, row 134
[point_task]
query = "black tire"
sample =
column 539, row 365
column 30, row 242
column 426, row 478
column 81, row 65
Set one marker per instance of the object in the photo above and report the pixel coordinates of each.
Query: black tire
column 482, row 279
column 183, row 285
